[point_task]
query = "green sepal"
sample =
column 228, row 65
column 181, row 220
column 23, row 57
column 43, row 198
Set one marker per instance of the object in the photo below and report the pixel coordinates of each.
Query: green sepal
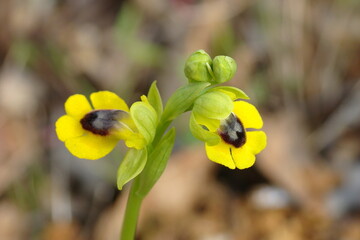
column 182, row 100
column 196, row 67
column 156, row 163
column 202, row 134
column 155, row 98
column 224, row 68
column 233, row 92
column 131, row 166
column 214, row 105
column 145, row 118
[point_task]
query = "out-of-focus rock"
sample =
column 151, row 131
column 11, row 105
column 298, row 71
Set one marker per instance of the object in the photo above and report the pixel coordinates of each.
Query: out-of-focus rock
column 20, row 92
column 13, row 222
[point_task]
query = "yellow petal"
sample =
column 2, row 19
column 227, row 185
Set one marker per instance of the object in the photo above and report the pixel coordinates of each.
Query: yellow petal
column 132, row 139
column 248, row 114
column 108, row 100
column 68, row 127
column 77, row 106
column 145, row 99
column 220, row 154
column 135, row 141
column 255, row 141
column 127, row 122
column 243, row 157
column 91, row 146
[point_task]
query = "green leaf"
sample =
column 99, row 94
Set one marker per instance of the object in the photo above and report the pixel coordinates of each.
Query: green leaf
column 182, row 100
column 145, row 118
column 202, row 134
column 156, row 163
column 131, row 166
column 233, row 92
column 155, row 98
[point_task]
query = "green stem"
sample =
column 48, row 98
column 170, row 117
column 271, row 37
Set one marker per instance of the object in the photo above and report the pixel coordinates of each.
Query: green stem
column 134, row 200
column 131, row 213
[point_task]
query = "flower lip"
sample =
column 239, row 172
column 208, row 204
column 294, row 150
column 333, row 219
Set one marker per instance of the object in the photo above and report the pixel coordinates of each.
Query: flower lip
column 100, row 122
column 232, row 131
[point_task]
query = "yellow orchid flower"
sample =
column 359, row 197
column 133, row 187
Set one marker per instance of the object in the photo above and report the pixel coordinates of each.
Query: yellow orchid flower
column 91, row 132
column 235, row 139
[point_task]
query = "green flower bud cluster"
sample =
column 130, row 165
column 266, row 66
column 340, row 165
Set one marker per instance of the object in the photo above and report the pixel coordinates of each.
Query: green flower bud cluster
column 199, row 67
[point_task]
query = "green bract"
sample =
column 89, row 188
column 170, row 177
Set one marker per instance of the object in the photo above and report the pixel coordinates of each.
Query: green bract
column 145, row 118
column 156, row 163
column 233, row 92
column 182, row 100
column 197, row 67
column 224, row 68
column 132, row 164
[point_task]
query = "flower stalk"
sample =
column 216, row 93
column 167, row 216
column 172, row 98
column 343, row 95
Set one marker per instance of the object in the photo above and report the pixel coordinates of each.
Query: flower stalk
column 131, row 216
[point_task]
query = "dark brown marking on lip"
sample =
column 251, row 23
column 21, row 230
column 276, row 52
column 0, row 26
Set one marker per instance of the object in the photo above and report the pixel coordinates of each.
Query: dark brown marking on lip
column 100, row 122
column 232, row 131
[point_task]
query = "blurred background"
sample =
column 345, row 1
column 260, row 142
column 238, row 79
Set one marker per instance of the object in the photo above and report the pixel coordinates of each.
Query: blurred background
column 298, row 60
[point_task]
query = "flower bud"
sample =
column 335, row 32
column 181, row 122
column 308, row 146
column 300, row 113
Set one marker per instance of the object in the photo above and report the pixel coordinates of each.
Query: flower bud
column 224, row 68
column 182, row 100
column 197, row 67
